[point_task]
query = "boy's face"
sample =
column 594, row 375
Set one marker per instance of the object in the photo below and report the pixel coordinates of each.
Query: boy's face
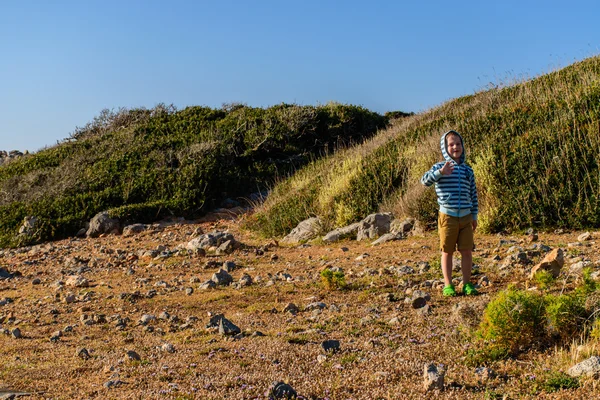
column 454, row 147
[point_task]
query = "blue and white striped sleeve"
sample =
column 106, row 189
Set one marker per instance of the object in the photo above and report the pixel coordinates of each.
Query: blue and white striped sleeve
column 433, row 175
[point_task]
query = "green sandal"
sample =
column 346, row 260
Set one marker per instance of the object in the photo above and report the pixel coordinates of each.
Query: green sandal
column 449, row 291
column 469, row 289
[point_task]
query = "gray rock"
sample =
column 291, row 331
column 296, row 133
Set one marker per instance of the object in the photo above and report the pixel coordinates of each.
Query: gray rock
column 291, row 308
column 245, row 280
column 315, row 306
column 421, row 293
column 402, row 227
column 4, row 274
column 418, row 302
column 389, row 237
column 113, row 384
column 211, row 239
column 433, row 377
column 584, row 236
column 280, row 390
column 229, row 266
column 134, row 229
column 83, row 353
column 167, row 348
column 304, row 231
column 102, row 223
column 331, row 346
column 189, row 291
column 16, row 333
column 374, row 226
column 222, row 278
column 36, row 281
column 347, row 232
column 77, row 281
column 29, row 226
column 226, row 247
column 146, row 319
column 226, row 327
column 587, row 368
column 208, row 285
column 131, row 355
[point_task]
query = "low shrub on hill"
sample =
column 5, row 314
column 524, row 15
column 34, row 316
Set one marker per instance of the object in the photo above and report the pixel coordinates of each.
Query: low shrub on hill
column 144, row 164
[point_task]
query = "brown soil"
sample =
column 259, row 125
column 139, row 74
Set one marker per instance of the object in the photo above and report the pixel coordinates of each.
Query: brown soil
column 377, row 359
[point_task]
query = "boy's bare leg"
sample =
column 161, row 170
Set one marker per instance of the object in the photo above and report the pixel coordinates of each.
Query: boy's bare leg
column 447, row 268
column 466, row 264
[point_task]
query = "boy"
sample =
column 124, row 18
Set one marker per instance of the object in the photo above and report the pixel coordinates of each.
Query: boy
column 457, row 219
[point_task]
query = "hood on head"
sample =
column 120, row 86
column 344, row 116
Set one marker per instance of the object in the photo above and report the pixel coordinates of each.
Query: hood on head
column 447, row 156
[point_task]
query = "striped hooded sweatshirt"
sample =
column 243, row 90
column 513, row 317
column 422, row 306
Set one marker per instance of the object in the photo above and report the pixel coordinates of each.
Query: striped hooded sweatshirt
column 456, row 193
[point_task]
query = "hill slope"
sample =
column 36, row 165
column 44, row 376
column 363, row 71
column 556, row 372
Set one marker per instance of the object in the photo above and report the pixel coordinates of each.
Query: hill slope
column 534, row 147
column 143, row 164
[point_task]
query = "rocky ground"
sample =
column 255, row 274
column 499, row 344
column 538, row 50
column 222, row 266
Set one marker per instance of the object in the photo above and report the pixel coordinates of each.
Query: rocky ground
column 147, row 316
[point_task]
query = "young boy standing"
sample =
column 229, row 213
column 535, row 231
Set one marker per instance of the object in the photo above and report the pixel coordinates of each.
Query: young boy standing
column 457, row 219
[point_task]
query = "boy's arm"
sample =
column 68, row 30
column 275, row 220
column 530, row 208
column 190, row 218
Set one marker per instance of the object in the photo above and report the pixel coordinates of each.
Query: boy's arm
column 433, row 175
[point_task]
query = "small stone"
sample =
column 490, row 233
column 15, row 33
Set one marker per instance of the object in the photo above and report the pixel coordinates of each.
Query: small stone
column 77, row 281
column 16, row 333
column 321, row 358
column 70, row 298
column 167, row 348
column 83, row 353
column 331, row 346
column 418, row 302
column 222, row 277
column 113, row 384
column 229, row 266
column 315, row 305
column 208, row 285
column 584, row 236
column 189, row 291
column 433, row 377
column 146, row 319
column 36, row 281
column 132, row 356
column 280, row 390
column 227, row 327
column 291, row 308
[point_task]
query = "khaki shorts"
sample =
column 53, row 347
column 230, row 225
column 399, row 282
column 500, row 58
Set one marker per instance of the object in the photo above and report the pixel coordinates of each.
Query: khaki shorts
column 455, row 233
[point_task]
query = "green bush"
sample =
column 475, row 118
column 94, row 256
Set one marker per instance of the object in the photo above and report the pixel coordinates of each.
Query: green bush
column 544, row 279
column 513, row 320
column 566, row 314
column 554, row 381
column 146, row 164
column 333, row 280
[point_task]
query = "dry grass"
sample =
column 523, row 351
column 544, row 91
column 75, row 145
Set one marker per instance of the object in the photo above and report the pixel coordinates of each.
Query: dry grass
column 378, row 360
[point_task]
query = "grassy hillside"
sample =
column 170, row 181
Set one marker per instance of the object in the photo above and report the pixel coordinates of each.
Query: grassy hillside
column 534, row 146
column 143, row 164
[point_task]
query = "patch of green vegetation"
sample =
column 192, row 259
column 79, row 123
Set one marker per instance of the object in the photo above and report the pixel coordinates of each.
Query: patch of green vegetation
column 333, row 280
column 544, row 279
column 142, row 165
column 554, row 381
column 299, row 339
column 514, row 319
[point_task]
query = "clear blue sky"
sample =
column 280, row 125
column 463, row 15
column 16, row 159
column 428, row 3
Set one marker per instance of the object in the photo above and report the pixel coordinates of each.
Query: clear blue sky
column 62, row 62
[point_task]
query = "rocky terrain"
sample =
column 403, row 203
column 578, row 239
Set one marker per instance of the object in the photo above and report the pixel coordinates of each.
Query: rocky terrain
column 203, row 309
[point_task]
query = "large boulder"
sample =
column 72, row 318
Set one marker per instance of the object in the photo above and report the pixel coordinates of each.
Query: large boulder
column 553, row 262
column 347, row 232
column 374, row 226
column 211, row 239
column 29, row 226
column 587, row 368
column 102, row 223
column 306, row 230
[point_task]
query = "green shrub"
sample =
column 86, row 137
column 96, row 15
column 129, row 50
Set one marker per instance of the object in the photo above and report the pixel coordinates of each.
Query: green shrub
column 554, row 381
column 566, row 314
column 513, row 320
column 544, row 279
column 146, row 164
column 333, row 280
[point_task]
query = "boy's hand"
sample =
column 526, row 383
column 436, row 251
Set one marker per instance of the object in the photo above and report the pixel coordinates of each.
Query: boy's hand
column 447, row 168
column 474, row 225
